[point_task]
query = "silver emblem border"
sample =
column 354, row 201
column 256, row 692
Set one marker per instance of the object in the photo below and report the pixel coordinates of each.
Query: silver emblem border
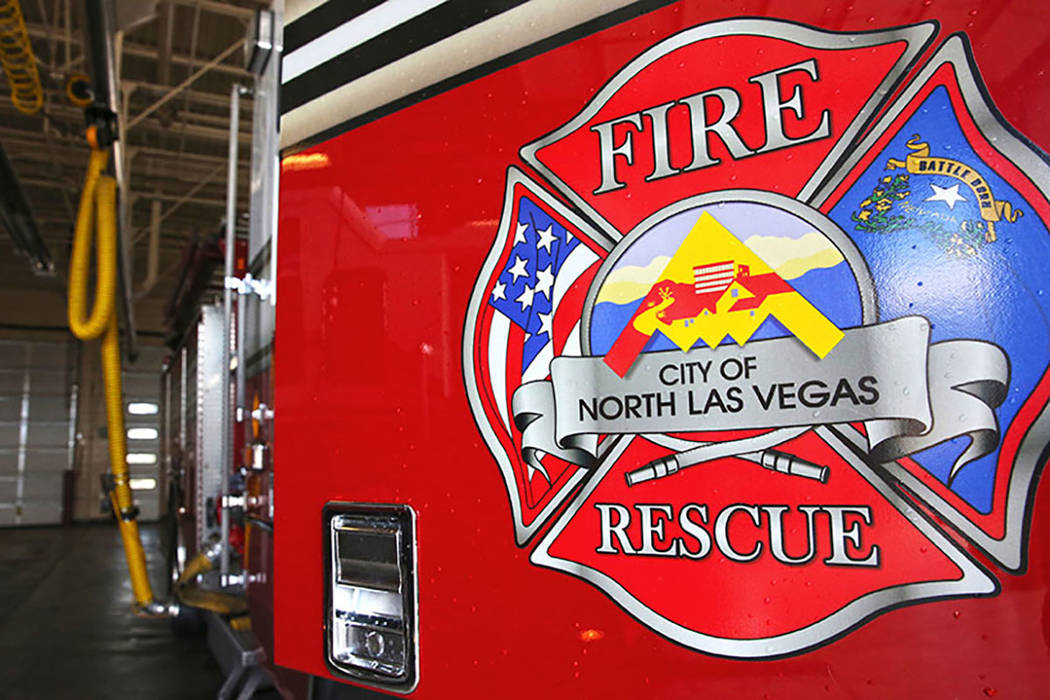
column 1009, row 551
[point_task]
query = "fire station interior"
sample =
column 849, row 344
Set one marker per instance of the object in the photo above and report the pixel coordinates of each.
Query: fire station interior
column 626, row 348
column 147, row 86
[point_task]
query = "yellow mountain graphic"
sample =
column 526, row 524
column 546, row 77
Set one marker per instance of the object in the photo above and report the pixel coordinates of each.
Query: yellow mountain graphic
column 714, row 286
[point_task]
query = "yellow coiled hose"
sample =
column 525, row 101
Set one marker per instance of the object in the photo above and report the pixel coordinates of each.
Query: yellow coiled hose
column 99, row 198
column 19, row 63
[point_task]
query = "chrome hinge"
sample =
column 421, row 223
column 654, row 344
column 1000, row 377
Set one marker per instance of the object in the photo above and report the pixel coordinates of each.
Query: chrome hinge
column 233, row 501
column 241, row 580
column 258, row 456
column 249, row 285
column 262, row 414
column 232, row 580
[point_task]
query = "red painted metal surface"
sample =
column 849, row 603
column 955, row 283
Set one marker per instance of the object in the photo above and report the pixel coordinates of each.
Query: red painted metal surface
column 379, row 253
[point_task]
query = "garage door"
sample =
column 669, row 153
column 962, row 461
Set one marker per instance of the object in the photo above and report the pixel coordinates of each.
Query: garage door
column 35, row 434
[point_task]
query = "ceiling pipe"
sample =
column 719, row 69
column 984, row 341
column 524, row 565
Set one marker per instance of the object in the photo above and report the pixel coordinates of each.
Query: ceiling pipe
column 152, row 252
column 17, row 218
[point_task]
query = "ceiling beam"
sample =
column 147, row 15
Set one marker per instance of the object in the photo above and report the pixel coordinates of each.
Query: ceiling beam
column 174, row 92
column 43, row 31
column 165, row 34
column 153, row 124
column 76, row 149
column 212, row 99
column 138, row 194
column 219, row 8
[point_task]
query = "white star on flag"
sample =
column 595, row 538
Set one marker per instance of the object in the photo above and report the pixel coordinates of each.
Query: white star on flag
column 544, row 282
column 545, row 325
column 546, row 238
column 499, row 291
column 948, row 195
column 525, row 299
column 519, row 233
column 518, row 269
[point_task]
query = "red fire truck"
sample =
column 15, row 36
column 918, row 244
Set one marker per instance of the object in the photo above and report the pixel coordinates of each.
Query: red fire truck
column 460, row 428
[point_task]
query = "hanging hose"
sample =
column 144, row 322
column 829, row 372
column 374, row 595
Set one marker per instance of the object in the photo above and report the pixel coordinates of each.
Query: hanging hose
column 99, row 198
column 16, row 55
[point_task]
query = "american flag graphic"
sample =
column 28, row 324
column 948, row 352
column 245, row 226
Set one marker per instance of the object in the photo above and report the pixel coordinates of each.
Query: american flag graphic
column 530, row 315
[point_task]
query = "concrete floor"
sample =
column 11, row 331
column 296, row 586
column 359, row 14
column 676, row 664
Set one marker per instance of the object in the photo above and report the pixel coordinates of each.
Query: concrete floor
column 66, row 628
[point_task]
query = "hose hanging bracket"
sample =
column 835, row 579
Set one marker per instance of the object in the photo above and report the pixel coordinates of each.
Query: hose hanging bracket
column 101, row 126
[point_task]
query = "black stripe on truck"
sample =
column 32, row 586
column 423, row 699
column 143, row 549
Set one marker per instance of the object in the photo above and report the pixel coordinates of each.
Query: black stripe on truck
column 323, row 19
column 417, row 33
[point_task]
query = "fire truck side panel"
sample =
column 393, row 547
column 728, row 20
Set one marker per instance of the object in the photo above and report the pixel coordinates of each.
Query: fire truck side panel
column 379, row 252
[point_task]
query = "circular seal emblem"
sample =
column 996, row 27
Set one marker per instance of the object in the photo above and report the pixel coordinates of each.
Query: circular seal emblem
column 721, row 290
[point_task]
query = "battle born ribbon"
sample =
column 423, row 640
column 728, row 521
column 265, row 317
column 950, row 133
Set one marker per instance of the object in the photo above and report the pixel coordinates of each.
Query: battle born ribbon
column 920, row 162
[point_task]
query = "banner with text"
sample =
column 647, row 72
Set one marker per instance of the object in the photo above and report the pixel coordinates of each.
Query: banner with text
column 910, row 394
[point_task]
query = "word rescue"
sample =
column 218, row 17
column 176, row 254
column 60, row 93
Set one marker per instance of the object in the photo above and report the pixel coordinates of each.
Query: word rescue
column 616, row 137
column 740, row 532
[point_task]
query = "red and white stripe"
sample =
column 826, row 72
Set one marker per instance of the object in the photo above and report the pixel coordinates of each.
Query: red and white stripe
column 715, row 277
